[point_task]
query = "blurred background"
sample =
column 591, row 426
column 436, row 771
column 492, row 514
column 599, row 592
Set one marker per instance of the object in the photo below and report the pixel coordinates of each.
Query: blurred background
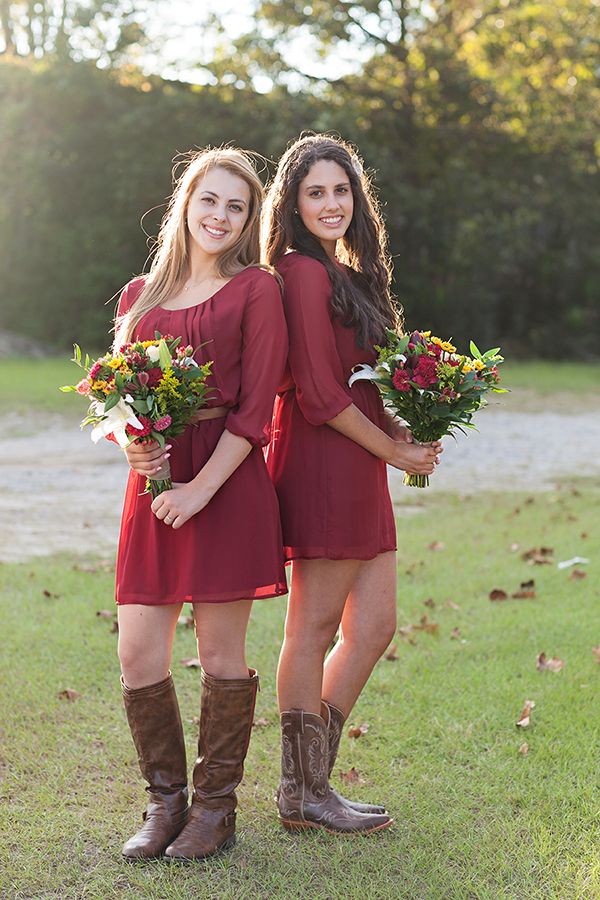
column 479, row 119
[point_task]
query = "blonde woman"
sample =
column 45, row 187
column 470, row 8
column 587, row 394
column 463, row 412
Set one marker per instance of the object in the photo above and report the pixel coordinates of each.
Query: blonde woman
column 214, row 540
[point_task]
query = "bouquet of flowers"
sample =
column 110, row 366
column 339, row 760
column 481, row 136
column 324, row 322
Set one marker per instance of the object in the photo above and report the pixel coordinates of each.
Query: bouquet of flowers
column 147, row 390
column 430, row 386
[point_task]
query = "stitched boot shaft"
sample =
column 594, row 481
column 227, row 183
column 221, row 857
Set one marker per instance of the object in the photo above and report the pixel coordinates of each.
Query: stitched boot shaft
column 155, row 723
column 226, row 716
column 335, row 720
column 305, row 799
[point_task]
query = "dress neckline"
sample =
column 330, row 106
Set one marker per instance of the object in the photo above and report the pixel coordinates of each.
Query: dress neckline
column 202, row 302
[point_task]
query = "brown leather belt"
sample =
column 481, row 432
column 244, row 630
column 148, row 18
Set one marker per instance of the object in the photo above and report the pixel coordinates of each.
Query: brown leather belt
column 213, row 412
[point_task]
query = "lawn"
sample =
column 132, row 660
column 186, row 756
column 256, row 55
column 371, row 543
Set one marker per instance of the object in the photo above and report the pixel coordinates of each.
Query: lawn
column 475, row 817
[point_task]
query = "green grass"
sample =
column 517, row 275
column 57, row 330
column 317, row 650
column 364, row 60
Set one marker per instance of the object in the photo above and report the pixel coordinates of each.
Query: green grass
column 33, row 383
column 474, row 817
column 552, row 377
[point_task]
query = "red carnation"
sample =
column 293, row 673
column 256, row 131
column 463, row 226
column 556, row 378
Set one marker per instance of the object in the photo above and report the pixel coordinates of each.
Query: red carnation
column 154, row 376
column 162, row 423
column 401, row 380
column 146, row 428
column 83, row 387
column 96, row 368
column 425, row 372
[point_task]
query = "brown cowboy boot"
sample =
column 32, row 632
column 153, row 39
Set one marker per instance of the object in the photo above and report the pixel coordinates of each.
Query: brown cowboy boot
column 305, row 798
column 226, row 715
column 334, row 720
column 155, row 723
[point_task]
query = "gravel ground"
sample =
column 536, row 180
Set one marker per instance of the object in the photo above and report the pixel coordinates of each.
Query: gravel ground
column 62, row 493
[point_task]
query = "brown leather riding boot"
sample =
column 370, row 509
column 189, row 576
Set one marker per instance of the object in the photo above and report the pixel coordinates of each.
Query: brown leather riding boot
column 155, row 723
column 334, row 720
column 305, row 798
column 226, row 716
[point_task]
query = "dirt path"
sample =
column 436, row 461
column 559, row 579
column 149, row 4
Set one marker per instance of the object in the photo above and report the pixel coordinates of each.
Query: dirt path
column 62, row 493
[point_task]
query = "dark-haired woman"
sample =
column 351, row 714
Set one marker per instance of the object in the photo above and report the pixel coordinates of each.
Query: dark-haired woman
column 328, row 454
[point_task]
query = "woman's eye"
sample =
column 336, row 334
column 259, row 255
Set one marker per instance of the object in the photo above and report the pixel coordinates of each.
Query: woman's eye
column 342, row 190
column 315, row 194
column 236, row 208
column 208, row 200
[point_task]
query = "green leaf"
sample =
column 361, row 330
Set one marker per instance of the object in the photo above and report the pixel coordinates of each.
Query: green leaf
column 140, row 406
column 67, row 388
column 475, row 351
column 111, row 400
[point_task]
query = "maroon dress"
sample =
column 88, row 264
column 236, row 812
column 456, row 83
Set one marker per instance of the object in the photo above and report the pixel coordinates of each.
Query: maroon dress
column 231, row 549
column 333, row 494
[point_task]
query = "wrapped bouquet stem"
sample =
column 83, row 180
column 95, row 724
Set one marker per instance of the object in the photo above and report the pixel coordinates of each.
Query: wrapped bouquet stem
column 430, row 386
column 147, row 390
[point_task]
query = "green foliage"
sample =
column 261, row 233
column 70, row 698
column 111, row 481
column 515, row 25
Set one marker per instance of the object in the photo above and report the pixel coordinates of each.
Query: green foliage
column 479, row 119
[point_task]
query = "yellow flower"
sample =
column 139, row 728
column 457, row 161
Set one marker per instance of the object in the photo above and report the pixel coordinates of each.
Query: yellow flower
column 99, row 385
column 116, row 362
column 479, row 365
column 426, row 334
column 149, row 344
column 447, row 346
column 436, row 340
column 467, row 367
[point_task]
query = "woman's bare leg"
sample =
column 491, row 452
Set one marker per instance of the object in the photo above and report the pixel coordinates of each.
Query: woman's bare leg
column 146, row 642
column 368, row 626
column 221, row 635
column 318, row 592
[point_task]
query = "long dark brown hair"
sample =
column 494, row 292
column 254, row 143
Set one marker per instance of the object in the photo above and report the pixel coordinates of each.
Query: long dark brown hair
column 361, row 295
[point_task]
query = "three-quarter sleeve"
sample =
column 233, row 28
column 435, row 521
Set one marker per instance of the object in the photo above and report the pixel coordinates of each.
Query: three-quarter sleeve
column 264, row 352
column 314, row 360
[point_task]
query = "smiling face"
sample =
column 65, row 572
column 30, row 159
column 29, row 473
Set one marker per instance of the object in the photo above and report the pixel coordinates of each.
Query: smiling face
column 325, row 202
column 217, row 212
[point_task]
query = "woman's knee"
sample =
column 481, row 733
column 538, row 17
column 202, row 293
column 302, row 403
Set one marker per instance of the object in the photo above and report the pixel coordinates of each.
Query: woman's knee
column 140, row 665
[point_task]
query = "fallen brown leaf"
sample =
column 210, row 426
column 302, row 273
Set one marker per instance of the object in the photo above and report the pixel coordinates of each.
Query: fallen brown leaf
column 358, row 731
column 430, row 602
column 351, row 777
column 105, row 613
column 577, row 575
column 596, row 652
column 452, row 605
column 527, row 585
column 405, row 631
column 514, row 547
column 455, row 634
column 426, row 625
column 114, row 628
column 436, row 546
column 523, row 595
column 538, row 556
column 186, row 621
column 523, row 721
column 390, row 654
column 498, row 594
column 524, row 748
column 553, row 665
column 583, row 535
column 190, row 663
column 529, row 500
column 69, row 694
column 48, row 593
column 260, row 723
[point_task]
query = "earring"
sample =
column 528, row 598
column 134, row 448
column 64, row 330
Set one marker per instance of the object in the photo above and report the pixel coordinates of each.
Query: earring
column 296, row 211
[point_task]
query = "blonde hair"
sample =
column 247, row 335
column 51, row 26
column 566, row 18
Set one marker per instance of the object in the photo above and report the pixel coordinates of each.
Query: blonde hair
column 170, row 265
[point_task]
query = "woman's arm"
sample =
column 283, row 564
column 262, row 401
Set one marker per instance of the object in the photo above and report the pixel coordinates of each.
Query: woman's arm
column 414, row 458
column 185, row 500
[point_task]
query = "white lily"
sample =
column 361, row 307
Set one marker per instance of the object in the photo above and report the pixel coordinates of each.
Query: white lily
column 115, row 421
column 362, row 372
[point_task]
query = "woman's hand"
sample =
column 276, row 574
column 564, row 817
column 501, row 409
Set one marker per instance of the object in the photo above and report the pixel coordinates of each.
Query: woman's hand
column 176, row 506
column 416, row 459
column 147, row 459
column 401, row 433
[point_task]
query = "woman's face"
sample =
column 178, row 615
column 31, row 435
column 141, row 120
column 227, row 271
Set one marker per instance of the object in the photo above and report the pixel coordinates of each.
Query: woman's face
column 217, row 211
column 325, row 202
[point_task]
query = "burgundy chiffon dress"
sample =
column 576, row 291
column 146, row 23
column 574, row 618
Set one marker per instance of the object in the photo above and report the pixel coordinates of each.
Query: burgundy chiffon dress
column 231, row 549
column 333, row 494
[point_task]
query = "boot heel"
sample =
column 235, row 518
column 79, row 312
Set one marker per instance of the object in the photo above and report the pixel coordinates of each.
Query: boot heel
column 295, row 826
